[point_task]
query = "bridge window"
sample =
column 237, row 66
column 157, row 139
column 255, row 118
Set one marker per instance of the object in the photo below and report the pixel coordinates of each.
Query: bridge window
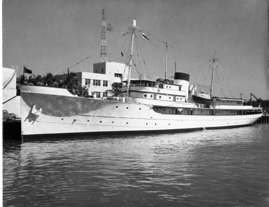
column 148, row 96
column 118, row 75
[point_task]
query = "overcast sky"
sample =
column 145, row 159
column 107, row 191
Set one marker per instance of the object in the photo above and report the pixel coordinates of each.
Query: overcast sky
column 52, row 35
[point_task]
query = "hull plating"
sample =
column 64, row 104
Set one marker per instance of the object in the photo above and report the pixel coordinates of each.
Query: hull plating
column 60, row 114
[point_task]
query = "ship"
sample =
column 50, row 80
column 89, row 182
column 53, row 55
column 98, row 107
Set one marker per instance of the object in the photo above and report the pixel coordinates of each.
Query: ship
column 143, row 106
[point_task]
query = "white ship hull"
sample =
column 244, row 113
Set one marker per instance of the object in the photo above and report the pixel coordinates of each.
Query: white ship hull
column 58, row 112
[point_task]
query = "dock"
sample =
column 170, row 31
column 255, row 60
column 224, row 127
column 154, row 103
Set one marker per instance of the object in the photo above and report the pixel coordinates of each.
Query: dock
column 263, row 119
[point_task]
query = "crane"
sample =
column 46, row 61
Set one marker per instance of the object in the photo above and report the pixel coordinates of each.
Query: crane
column 258, row 100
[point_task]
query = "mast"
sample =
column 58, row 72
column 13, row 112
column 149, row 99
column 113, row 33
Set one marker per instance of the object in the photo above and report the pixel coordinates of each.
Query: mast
column 166, row 51
column 214, row 65
column 132, row 30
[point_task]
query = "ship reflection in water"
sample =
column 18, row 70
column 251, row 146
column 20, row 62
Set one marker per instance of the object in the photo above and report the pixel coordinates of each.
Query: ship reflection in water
column 206, row 168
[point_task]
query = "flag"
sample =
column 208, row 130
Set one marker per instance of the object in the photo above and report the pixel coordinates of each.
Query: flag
column 26, row 70
column 143, row 35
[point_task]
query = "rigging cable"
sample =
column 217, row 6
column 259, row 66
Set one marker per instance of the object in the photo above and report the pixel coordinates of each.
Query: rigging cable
column 136, row 69
column 208, row 72
column 77, row 63
column 226, row 83
column 143, row 59
column 127, row 57
column 137, row 54
column 190, row 53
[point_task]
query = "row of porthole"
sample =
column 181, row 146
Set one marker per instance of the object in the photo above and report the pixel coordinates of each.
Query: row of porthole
column 127, row 107
column 111, row 122
column 128, row 122
column 160, row 97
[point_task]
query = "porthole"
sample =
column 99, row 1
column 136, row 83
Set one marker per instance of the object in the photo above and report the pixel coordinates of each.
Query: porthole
column 126, row 122
column 126, row 107
column 62, row 118
column 100, row 121
column 116, row 106
column 88, row 120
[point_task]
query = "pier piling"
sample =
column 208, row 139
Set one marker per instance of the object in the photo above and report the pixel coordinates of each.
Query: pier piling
column 263, row 119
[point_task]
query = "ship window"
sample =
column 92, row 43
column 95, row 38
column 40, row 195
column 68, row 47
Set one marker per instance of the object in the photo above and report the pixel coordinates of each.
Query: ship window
column 118, row 75
column 126, row 107
column 151, row 96
column 160, row 96
column 145, row 95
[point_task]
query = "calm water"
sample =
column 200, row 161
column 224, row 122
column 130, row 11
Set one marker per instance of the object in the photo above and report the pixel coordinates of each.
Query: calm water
column 207, row 168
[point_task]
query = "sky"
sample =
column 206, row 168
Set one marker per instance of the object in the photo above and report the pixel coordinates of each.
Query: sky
column 51, row 36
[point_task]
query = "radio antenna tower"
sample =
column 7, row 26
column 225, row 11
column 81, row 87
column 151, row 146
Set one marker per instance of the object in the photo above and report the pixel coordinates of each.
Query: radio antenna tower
column 103, row 54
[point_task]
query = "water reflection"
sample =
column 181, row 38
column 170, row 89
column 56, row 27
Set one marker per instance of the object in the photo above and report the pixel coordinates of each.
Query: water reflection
column 210, row 167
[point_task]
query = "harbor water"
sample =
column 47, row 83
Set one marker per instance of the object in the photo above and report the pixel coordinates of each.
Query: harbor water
column 225, row 167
